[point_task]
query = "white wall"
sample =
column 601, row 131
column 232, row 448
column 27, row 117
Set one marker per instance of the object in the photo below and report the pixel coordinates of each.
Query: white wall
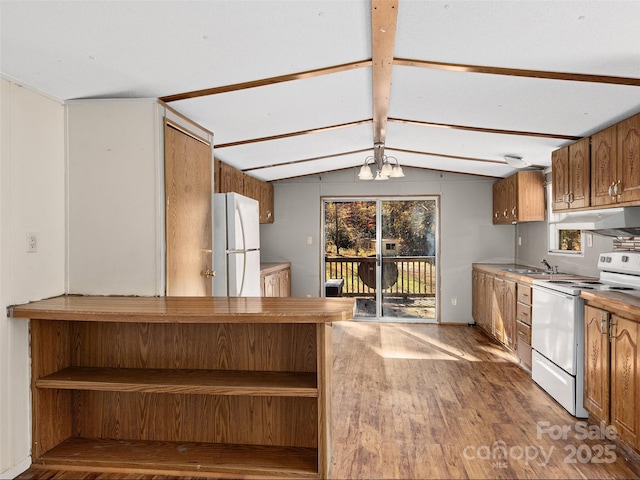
column 32, row 200
column 466, row 231
column 116, row 191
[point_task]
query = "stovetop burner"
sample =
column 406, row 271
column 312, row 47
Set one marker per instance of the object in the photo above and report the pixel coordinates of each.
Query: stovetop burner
column 619, row 272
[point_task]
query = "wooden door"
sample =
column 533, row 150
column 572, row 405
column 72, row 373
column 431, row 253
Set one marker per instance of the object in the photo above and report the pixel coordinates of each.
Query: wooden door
column 628, row 180
column 560, row 178
column 603, row 166
column 580, row 173
column 596, row 363
column 188, row 214
column 625, row 378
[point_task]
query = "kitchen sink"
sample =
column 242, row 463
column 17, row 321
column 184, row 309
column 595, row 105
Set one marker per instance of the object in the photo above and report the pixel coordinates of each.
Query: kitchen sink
column 523, row 270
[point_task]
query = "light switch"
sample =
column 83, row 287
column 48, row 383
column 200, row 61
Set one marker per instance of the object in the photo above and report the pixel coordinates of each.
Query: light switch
column 309, row 240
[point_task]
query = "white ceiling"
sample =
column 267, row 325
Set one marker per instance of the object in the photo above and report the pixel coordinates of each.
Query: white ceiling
column 84, row 49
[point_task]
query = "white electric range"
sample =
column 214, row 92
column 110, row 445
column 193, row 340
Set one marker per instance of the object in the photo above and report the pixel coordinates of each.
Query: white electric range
column 557, row 331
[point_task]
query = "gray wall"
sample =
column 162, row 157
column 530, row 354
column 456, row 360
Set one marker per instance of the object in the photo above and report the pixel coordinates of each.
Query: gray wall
column 535, row 247
column 466, row 231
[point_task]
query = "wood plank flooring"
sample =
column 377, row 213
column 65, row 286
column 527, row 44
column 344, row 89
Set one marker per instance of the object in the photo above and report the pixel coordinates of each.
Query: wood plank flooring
column 427, row 401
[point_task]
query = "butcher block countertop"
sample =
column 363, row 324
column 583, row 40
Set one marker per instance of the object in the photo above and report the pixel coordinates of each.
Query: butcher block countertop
column 188, row 309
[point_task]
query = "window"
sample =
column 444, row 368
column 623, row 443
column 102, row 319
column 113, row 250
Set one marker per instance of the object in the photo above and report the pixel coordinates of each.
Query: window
column 562, row 241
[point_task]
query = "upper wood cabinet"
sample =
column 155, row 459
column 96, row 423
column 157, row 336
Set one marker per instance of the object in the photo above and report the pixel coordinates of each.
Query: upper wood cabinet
column 231, row 179
column 604, row 166
column 519, row 198
column 615, row 163
column 571, row 176
column 628, row 151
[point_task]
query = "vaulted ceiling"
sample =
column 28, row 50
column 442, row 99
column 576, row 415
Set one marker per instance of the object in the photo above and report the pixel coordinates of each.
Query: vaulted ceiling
column 293, row 88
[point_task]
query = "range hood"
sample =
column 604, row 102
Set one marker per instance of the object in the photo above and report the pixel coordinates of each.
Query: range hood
column 613, row 222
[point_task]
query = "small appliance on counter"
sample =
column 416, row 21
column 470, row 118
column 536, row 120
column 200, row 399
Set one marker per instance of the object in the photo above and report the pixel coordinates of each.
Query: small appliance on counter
column 557, row 332
column 236, row 245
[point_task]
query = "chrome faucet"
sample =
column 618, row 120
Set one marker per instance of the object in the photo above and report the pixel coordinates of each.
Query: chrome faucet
column 550, row 269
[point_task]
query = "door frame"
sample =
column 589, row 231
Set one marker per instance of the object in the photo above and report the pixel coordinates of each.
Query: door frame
column 378, row 199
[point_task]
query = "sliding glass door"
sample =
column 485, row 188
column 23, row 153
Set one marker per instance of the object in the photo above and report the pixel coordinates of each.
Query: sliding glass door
column 383, row 252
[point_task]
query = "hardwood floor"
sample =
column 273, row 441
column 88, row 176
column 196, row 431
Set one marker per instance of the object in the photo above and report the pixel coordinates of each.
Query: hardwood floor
column 427, row 401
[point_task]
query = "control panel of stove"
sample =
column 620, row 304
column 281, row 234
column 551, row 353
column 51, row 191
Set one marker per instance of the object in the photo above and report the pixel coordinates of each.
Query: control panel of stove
column 624, row 262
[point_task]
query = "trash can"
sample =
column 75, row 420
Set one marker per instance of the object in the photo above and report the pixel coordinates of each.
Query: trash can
column 333, row 287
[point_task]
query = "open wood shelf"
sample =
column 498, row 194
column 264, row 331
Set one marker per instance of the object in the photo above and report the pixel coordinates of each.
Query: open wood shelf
column 183, row 458
column 215, row 387
column 183, row 381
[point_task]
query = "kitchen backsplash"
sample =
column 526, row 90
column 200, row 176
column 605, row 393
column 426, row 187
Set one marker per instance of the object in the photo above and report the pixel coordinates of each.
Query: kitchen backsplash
column 626, row 244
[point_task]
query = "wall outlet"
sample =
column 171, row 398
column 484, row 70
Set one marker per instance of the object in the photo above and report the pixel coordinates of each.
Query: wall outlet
column 454, row 301
column 32, row 242
column 589, row 240
column 309, row 240
column 519, row 241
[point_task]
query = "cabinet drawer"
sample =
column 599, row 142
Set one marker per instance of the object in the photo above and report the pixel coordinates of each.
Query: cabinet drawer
column 524, row 352
column 523, row 313
column 524, row 294
column 523, row 332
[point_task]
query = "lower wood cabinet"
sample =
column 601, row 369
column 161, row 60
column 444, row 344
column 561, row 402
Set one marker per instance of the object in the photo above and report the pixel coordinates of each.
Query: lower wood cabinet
column 612, row 372
column 275, row 280
column 494, row 306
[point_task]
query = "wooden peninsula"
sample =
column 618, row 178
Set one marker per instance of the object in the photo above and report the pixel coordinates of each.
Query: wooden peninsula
column 206, row 386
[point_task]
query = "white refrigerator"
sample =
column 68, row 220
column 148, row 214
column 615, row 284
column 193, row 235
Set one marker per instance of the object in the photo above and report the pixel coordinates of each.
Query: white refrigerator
column 236, row 246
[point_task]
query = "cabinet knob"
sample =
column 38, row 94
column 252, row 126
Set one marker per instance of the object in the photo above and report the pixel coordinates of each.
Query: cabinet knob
column 209, row 273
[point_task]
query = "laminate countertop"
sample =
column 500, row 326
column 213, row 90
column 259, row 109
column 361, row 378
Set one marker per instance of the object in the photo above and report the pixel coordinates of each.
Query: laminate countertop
column 525, row 274
column 188, row 309
column 621, row 303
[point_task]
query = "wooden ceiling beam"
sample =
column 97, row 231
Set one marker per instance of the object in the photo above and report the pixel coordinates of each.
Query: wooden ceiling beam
column 267, row 81
column 294, row 134
column 483, row 130
column 384, row 19
column 517, row 72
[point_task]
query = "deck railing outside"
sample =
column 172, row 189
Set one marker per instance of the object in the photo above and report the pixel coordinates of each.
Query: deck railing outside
column 402, row 276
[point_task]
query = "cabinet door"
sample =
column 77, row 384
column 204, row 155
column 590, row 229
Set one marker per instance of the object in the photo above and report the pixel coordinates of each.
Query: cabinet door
column 266, row 202
column 625, row 378
column 580, row 173
column 270, row 285
column 596, row 363
column 251, row 187
column 628, row 181
column 560, row 178
column 475, row 290
column 603, row 166
column 284, row 282
column 509, row 313
column 498, row 202
column 231, row 179
column 497, row 322
column 510, row 199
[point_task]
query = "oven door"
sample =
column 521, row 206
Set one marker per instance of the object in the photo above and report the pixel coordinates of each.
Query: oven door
column 556, row 327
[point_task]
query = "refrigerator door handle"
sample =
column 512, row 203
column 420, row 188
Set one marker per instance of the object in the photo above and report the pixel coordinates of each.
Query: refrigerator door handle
column 244, row 243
